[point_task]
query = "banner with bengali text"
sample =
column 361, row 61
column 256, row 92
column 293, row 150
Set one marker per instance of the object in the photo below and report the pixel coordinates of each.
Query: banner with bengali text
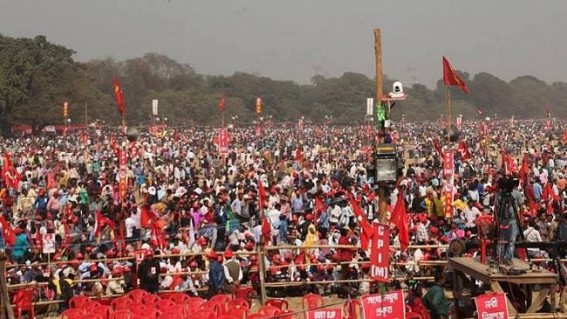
column 389, row 305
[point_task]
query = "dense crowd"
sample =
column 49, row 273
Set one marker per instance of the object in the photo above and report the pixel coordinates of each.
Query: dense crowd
column 197, row 216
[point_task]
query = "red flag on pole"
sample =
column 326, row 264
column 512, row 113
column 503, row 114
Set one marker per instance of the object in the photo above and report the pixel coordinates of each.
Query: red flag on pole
column 222, row 104
column 451, row 78
column 400, row 219
column 118, row 96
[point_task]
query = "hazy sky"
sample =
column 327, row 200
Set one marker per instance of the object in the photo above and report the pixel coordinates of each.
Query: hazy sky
column 295, row 39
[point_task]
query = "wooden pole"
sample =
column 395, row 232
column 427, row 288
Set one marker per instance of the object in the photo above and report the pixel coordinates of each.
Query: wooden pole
column 448, row 110
column 262, row 272
column 6, row 310
column 378, row 59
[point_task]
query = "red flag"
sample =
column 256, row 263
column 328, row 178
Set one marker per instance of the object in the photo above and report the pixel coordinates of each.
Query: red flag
column 464, row 151
column 222, row 104
column 400, row 219
column 524, row 169
column 101, row 222
column 9, row 173
column 146, row 217
column 367, row 230
column 118, row 96
column 262, row 196
column 266, row 230
column 8, row 232
column 548, row 193
column 437, row 146
column 451, row 78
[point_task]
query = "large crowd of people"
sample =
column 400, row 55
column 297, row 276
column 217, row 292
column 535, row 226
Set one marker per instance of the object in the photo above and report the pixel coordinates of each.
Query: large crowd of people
column 180, row 215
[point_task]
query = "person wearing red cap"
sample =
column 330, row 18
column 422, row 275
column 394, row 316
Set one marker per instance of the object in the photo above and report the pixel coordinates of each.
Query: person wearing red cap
column 232, row 272
column 217, row 278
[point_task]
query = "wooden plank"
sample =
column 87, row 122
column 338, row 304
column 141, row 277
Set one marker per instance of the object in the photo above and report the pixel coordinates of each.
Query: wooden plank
column 482, row 272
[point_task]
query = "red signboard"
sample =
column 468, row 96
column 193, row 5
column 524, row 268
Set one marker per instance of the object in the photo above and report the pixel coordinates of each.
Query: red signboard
column 328, row 313
column 390, row 305
column 380, row 252
column 492, row 306
column 448, row 163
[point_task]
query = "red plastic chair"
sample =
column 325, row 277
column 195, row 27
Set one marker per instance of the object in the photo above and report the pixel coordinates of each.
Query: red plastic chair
column 137, row 295
column 148, row 313
column 137, row 308
column 150, row 300
column 287, row 314
column 279, row 303
column 312, row 301
column 121, row 314
column 247, row 293
column 238, row 303
column 180, row 309
column 23, row 301
column 239, row 312
column 256, row 316
column 221, row 298
column 72, row 313
column 172, row 315
column 105, row 311
column 204, row 314
column 163, row 304
column 213, row 306
column 78, row 301
column 179, row 298
column 269, row 311
column 121, row 303
column 194, row 303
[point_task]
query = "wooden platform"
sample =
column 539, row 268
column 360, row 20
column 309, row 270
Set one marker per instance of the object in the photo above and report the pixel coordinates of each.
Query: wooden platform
column 484, row 273
column 466, row 269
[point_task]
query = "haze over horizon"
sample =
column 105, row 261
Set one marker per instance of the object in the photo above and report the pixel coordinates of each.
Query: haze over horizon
column 294, row 40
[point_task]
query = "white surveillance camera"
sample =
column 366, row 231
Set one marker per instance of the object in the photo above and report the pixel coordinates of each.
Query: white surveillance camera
column 397, row 90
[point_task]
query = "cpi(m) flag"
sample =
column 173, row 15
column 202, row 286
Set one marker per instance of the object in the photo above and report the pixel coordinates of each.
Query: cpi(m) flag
column 451, row 78
column 118, row 96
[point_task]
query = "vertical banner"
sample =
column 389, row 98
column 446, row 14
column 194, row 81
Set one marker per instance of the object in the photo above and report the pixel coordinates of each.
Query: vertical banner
column 300, row 124
column 123, row 173
column 548, row 123
column 491, row 305
column 448, row 163
column 390, row 305
column 370, row 106
column 154, row 107
column 223, row 141
column 380, row 253
column 459, row 122
column 258, row 105
column 512, row 121
column 328, row 313
column 448, row 195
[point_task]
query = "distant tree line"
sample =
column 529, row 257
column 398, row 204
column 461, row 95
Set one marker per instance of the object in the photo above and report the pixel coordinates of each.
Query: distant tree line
column 37, row 76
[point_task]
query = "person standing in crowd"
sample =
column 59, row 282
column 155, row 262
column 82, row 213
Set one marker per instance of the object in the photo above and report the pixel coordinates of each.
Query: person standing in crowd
column 148, row 273
column 217, row 277
column 435, row 299
column 232, row 272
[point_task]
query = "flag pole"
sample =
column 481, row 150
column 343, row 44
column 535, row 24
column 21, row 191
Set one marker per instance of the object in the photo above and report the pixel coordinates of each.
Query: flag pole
column 447, row 107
